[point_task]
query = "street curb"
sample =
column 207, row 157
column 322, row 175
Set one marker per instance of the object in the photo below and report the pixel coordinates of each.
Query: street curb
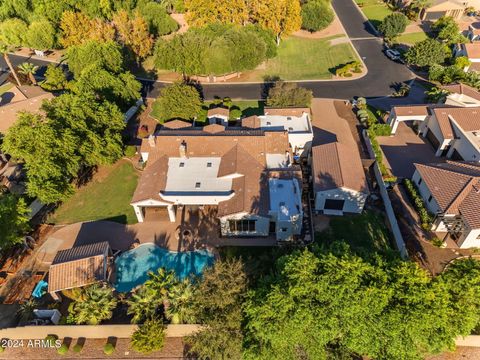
column 366, row 19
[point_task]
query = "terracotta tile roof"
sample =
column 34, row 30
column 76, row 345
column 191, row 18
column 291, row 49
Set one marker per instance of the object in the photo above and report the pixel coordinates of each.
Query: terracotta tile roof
column 176, row 124
column 9, row 112
column 241, row 151
column 468, row 118
column 218, row 111
column 251, row 122
column 336, row 165
column 463, row 90
column 214, row 128
column 455, row 187
column 297, row 112
column 411, row 110
column 474, row 66
column 78, row 266
column 472, row 50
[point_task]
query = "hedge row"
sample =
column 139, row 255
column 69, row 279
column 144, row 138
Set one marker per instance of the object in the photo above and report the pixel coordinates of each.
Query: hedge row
column 425, row 217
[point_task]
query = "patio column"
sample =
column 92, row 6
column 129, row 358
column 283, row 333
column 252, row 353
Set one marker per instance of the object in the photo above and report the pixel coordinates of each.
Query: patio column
column 139, row 213
column 171, row 213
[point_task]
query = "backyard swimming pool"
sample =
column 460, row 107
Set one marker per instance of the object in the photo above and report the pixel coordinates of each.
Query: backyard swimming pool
column 132, row 266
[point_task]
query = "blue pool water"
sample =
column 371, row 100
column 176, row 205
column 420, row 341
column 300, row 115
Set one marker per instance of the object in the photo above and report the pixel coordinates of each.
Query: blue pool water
column 132, row 266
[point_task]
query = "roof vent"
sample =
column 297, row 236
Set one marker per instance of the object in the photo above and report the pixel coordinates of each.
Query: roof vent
column 290, row 129
column 182, row 164
column 280, row 186
column 269, row 123
column 197, row 185
column 289, row 118
column 209, row 164
column 183, row 149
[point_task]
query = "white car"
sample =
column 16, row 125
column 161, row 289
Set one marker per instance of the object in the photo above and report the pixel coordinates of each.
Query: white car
column 393, row 54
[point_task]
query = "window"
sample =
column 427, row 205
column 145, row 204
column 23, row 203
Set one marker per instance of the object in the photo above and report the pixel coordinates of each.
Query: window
column 331, row 204
column 419, row 181
column 209, row 164
column 242, row 225
column 182, row 164
column 430, row 198
column 197, row 185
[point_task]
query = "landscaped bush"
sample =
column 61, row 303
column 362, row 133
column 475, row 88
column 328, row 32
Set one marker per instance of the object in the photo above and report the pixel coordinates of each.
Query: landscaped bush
column 381, row 129
column 149, row 337
column 347, row 69
column 108, row 349
column 425, row 217
column 130, row 151
column 62, row 350
column 235, row 113
column 387, row 177
column 77, row 348
column 316, row 15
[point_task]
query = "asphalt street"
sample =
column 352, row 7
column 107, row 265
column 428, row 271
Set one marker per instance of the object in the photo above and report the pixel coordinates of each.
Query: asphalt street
column 382, row 72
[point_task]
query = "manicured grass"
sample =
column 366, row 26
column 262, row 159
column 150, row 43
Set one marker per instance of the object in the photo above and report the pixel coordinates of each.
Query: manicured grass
column 304, row 59
column 374, row 10
column 412, row 38
column 365, row 233
column 5, row 87
column 106, row 197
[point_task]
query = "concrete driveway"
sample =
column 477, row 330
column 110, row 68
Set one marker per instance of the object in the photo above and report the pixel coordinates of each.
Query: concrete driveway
column 404, row 149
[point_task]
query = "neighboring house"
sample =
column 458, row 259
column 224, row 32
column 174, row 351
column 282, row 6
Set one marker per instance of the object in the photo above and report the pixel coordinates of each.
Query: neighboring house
column 296, row 121
column 473, row 32
column 453, row 8
column 472, row 52
column 79, row 266
column 218, row 115
column 453, row 131
column 461, row 95
column 17, row 99
column 451, row 191
column 339, row 181
column 244, row 177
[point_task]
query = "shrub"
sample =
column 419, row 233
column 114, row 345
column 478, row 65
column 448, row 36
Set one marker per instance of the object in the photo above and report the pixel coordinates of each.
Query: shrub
column 149, row 337
column 77, row 348
column 108, row 349
column 437, row 242
column 425, row 217
column 62, row 350
column 347, row 69
column 316, row 15
column 235, row 114
column 393, row 25
column 381, row 129
column 426, row 53
column 130, row 151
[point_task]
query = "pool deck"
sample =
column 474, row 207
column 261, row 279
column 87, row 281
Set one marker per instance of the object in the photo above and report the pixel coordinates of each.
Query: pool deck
column 202, row 228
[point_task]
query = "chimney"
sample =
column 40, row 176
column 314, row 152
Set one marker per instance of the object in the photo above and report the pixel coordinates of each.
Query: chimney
column 183, row 149
column 151, row 141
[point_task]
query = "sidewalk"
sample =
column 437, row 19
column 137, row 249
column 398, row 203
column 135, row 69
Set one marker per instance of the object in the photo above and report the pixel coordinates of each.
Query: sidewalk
column 54, row 56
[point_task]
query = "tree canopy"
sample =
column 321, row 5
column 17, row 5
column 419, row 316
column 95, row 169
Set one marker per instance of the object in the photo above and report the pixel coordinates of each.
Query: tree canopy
column 448, row 30
column 178, row 101
column 14, row 220
column 316, row 15
column 204, row 12
column 284, row 94
column 426, row 53
column 393, row 25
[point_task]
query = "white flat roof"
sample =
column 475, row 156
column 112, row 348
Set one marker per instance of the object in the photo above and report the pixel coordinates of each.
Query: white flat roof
column 276, row 161
column 289, row 123
column 194, row 181
column 284, row 198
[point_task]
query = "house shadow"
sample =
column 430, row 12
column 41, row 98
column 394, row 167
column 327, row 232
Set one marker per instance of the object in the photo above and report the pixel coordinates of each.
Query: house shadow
column 322, row 136
column 119, row 236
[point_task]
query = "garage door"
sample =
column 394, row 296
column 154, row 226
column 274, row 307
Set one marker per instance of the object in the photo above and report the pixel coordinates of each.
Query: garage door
column 434, row 15
column 331, row 204
column 432, row 139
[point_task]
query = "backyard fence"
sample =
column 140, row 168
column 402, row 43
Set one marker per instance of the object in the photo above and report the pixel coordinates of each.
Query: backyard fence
column 89, row 331
column 392, row 220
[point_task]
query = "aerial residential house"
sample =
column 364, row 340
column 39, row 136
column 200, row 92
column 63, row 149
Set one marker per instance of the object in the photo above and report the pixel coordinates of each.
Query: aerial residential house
column 79, row 266
column 244, row 179
column 451, row 191
column 473, row 33
column 453, row 8
column 453, row 131
column 339, row 182
column 17, row 99
column 218, row 115
column 296, row 121
column 472, row 52
column 461, row 95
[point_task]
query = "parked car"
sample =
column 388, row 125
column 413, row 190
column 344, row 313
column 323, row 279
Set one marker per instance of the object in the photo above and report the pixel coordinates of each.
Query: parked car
column 393, row 55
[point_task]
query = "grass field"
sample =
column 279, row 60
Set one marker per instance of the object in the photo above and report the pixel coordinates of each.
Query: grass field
column 374, row 10
column 106, row 197
column 5, row 87
column 304, row 59
column 412, row 38
column 364, row 233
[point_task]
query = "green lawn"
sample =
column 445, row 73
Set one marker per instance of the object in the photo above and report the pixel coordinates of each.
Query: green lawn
column 304, row 59
column 365, row 233
column 374, row 10
column 5, row 87
column 248, row 108
column 412, row 38
column 106, row 197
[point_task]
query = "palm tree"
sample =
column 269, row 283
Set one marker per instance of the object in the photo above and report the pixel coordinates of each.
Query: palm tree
column 26, row 309
column 30, row 70
column 143, row 304
column 4, row 49
column 161, row 281
column 96, row 306
column 179, row 309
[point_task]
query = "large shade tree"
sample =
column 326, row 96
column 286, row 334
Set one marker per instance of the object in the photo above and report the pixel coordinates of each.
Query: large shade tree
column 178, row 100
column 14, row 220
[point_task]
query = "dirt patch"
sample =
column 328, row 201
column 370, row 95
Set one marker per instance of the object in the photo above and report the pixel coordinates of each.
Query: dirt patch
column 93, row 349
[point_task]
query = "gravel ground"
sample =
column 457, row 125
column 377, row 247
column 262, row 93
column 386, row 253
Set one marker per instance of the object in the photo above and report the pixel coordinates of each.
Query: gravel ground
column 462, row 353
